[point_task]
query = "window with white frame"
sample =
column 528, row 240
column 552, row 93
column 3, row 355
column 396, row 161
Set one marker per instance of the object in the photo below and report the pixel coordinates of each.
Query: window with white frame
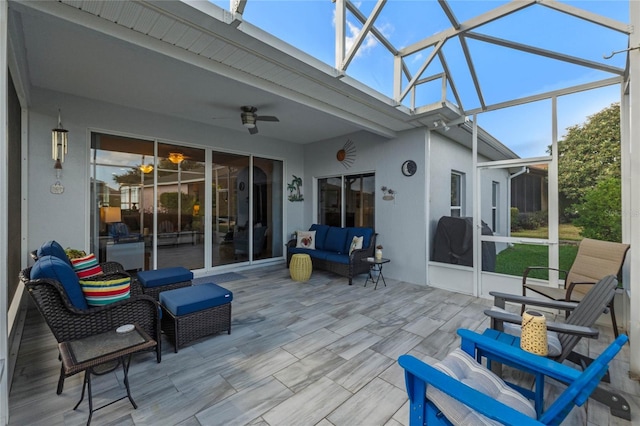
column 457, row 194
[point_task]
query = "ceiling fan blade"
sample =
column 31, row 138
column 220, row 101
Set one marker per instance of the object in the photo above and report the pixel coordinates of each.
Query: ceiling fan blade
column 267, row 118
column 253, row 130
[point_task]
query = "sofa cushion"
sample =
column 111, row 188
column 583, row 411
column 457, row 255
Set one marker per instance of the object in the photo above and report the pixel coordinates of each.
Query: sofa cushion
column 53, row 267
column 338, row 258
column 336, row 240
column 87, row 266
column 186, row 300
column 321, row 234
column 53, row 248
column 164, row 276
column 306, row 239
column 367, row 233
column 100, row 292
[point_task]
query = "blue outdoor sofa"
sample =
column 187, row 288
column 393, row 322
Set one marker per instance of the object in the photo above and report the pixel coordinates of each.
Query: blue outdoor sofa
column 332, row 245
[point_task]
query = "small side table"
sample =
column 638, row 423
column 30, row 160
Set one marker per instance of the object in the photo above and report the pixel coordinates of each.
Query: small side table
column 375, row 265
column 88, row 353
column 300, row 267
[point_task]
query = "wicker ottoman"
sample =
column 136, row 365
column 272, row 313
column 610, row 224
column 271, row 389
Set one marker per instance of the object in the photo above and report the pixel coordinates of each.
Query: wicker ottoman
column 300, row 267
column 190, row 313
column 158, row 280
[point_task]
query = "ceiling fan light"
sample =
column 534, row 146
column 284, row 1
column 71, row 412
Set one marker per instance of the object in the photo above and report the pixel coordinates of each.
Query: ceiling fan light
column 248, row 119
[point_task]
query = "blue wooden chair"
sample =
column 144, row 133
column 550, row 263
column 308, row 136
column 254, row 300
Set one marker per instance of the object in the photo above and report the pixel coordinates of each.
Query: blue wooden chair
column 447, row 400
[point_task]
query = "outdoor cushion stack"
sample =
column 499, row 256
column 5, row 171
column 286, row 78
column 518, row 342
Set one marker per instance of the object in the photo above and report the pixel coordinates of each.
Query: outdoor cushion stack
column 335, row 249
column 96, row 289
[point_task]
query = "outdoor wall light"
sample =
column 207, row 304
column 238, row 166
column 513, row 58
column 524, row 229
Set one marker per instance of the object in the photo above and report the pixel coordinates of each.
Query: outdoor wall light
column 58, row 144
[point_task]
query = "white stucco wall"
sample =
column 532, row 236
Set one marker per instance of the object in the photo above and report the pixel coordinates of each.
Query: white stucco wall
column 400, row 224
column 65, row 217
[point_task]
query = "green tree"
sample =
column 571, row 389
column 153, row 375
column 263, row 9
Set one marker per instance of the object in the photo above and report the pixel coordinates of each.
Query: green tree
column 599, row 213
column 169, row 200
column 588, row 153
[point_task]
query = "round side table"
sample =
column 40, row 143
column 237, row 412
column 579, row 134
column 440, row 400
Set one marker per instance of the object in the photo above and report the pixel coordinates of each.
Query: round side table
column 300, row 267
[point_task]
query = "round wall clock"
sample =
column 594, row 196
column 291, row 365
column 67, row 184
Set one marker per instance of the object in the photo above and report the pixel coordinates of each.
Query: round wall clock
column 409, row 168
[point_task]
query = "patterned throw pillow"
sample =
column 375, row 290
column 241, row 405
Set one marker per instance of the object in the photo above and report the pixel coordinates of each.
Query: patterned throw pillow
column 307, row 239
column 103, row 292
column 86, row 267
column 356, row 244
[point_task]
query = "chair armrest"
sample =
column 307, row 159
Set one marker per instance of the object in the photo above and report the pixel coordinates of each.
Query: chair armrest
column 418, row 374
column 478, row 345
column 500, row 299
column 572, row 286
column 558, row 327
column 525, row 275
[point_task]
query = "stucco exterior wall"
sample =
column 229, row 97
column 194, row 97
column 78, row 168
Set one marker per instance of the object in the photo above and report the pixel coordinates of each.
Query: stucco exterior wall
column 65, row 217
column 401, row 223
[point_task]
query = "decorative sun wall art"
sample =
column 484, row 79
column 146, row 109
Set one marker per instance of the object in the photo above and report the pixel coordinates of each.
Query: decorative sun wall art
column 294, row 189
column 347, row 155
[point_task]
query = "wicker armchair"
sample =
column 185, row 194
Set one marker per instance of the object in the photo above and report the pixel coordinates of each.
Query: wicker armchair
column 69, row 323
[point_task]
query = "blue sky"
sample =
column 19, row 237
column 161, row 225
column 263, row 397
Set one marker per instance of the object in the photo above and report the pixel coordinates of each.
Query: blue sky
column 504, row 74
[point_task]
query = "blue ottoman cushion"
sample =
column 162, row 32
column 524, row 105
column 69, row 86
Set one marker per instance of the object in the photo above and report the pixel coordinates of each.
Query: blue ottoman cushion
column 186, row 300
column 164, row 276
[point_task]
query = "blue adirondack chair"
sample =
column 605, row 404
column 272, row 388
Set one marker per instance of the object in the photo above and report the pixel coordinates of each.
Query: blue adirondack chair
column 581, row 384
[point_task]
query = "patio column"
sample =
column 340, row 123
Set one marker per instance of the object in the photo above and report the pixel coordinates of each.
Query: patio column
column 4, row 218
column 634, row 194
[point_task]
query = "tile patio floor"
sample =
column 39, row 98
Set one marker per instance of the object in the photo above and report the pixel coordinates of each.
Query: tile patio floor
column 315, row 353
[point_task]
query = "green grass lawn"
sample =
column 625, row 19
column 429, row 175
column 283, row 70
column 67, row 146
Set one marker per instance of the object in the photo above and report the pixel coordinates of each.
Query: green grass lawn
column 566, row 231
column 515, row 259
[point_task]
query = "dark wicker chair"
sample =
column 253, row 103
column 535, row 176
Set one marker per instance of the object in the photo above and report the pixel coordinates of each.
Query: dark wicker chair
column 70, row 323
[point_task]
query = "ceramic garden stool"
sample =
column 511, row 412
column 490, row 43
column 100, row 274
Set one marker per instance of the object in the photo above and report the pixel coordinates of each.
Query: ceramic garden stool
column 190, row 313
column 300, row 267
column 158, row 280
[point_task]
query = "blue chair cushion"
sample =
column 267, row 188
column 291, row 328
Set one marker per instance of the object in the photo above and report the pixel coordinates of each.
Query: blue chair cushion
column 186, row 300
column 164, row 276
column 335, row 240
column 53, row 248
column 321, row 234
column 358, row 232
column 55, row 268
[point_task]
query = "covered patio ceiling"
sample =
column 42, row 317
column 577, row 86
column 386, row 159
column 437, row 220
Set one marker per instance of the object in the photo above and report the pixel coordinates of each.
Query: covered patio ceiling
column 197, row 61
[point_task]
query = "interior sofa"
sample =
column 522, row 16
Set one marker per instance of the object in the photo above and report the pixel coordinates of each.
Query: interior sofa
column 332, row 246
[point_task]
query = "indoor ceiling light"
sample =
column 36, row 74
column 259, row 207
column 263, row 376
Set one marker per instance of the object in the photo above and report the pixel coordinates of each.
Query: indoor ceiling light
column 176, row 157
column 146, row 168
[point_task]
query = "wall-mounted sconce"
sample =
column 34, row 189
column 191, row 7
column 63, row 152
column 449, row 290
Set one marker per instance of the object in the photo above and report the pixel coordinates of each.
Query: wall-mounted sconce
column 176, row 157
column 59, row 144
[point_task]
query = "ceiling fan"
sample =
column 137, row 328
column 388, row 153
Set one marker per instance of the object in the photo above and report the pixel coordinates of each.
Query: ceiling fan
column 250, row 118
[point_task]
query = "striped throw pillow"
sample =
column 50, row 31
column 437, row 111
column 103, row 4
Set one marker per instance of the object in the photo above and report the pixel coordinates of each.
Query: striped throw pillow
column 103, row 292
column 87, row 266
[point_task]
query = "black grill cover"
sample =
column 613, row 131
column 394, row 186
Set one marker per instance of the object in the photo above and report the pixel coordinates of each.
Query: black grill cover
column 453, row 243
